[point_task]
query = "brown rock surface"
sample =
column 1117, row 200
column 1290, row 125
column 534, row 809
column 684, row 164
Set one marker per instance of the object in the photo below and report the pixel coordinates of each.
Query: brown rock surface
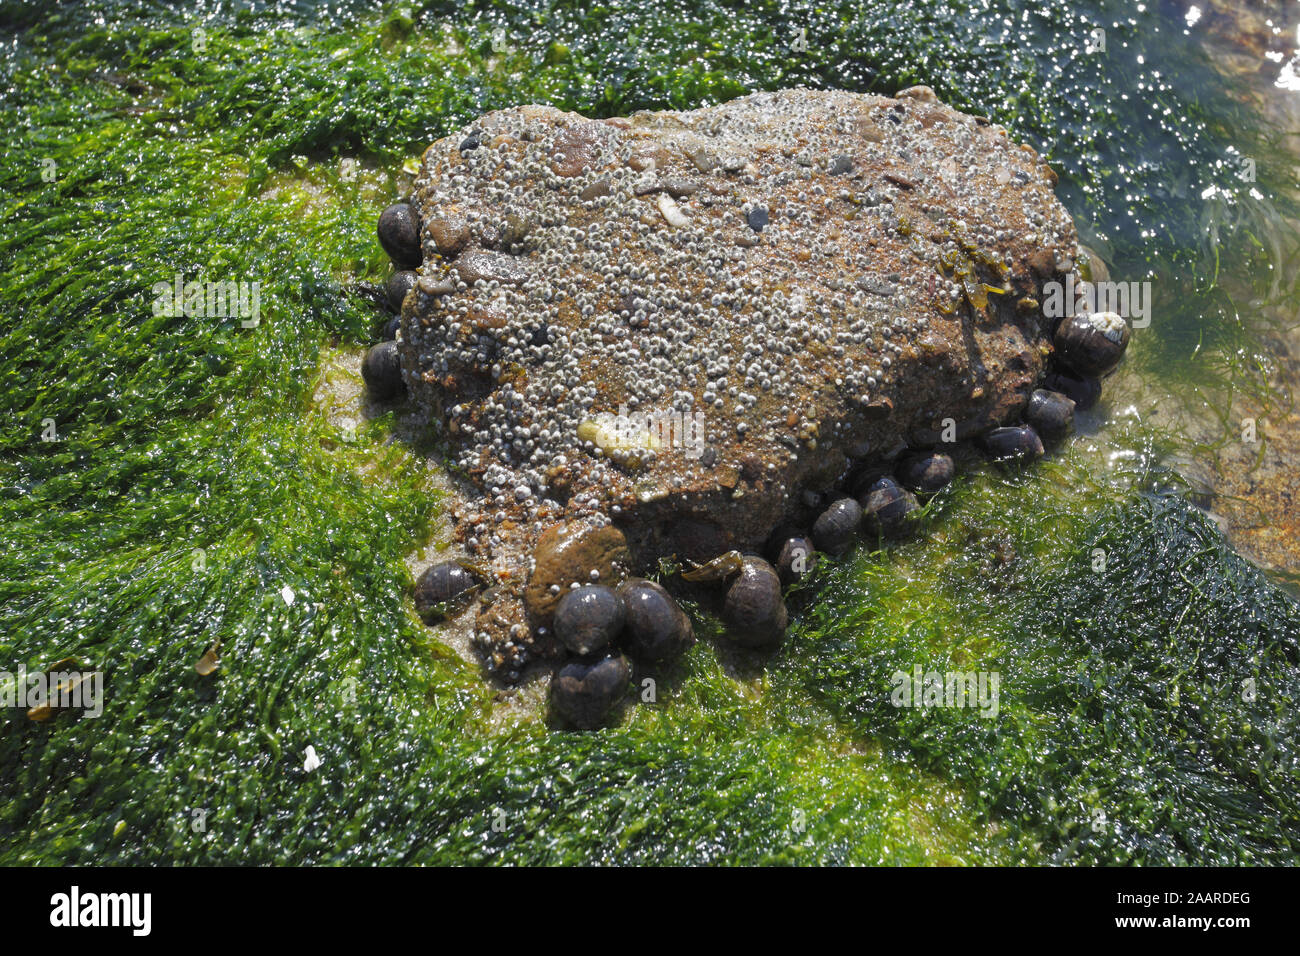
column 808, row 279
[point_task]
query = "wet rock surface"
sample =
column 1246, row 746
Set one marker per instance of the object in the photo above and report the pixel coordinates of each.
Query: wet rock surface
column 785, row 284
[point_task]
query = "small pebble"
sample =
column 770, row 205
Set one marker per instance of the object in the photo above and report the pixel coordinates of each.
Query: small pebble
column 601, row 187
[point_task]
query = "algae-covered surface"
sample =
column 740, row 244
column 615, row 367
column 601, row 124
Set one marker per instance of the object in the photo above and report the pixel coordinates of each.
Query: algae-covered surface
column 171, row 482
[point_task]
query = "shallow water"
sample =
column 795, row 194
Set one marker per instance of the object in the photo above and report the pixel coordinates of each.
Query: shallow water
column 199, row 468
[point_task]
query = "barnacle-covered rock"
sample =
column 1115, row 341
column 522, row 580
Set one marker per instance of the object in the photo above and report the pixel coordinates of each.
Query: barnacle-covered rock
column 756, row 290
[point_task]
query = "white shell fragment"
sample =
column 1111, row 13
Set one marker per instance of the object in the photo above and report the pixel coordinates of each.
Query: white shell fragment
column 676, row 218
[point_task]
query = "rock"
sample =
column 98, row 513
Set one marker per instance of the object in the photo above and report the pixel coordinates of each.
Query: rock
column 712, row 342
column 514, row 231
column 584, row 694
column 753, row 607
column 449, row 232
column 399, row 234
column 479, row 266
column 568, row 553
column 601, row 187
column 589, row 618
column 382, row 371
column 577, row 147
column 657, row 629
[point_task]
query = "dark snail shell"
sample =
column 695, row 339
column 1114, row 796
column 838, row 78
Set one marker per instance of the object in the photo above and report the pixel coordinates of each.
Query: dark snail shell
column 836, row 528
column 399, row 234
column 1091, row 343
column 382, row 371
column 754, row 607
column 1051, row 414
column 657, row 629
column 588, row 618
column 399, row 283
column 926, row 474
column 442, row 588
column 795, row 559
column 1084, row 391
column 887, row 508
column 1014, row 443
column 584, row 692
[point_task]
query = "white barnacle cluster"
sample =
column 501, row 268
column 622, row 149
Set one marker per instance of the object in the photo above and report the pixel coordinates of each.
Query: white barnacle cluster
column 772, row 260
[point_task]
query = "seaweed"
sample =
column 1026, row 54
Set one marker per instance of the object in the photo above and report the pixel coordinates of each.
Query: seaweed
column 168, row 484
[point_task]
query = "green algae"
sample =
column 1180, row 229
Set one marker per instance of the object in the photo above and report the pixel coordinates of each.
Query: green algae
column 193, row 478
